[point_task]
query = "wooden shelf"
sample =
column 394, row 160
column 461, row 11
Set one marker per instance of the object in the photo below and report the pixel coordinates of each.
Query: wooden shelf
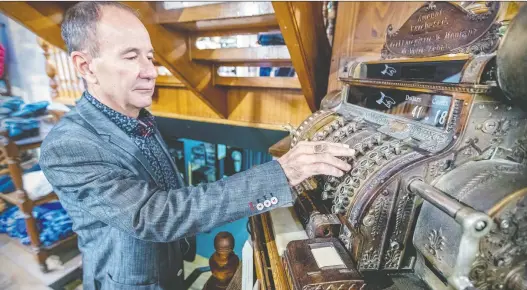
column 228, row 26
column 12, row 198
column 259, row 82
column 222, row 16
column 70, row 241
column 248, row 55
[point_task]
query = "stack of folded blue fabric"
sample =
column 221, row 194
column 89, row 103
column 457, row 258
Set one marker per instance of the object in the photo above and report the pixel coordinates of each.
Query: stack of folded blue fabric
column 53, row 223
column 19, row 119
column 6, row 183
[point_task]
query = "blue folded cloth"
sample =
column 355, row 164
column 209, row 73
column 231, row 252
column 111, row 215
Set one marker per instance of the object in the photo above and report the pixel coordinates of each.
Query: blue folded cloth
column 265, row 71
column 6, row 183
column 12, row 103
column 265, row 39
column 32, row 110
column 5, row 111
column 53, row 223
column 18, row 128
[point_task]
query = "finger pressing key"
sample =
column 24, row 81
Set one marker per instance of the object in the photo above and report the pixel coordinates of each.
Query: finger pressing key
column 324, row 169
column 330, row 160
column 341, row 151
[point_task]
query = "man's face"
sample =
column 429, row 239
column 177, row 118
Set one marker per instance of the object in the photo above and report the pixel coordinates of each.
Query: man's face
column 123, row 68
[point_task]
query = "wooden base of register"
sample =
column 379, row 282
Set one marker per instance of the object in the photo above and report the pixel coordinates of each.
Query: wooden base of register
column 278, row 235
column 286, row 259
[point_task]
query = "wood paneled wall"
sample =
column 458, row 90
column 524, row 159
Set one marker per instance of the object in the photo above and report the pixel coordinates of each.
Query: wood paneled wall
column 253, row 107
column 360, row 30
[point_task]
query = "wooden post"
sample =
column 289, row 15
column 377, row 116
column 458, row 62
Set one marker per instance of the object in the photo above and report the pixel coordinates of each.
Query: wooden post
column 223, row 263
column 51, row 70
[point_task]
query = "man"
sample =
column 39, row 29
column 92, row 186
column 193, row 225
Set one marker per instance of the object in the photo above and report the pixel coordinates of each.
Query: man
column 112, row 172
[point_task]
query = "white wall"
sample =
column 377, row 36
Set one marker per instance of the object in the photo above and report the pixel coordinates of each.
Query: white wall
column 25, row 62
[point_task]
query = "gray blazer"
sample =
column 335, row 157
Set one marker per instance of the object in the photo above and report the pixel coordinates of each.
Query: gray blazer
column 128, row 228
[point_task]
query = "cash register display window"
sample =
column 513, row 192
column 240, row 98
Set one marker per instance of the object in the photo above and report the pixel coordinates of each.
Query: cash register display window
column 326, row 256
column 429, row 109
column 445, row 72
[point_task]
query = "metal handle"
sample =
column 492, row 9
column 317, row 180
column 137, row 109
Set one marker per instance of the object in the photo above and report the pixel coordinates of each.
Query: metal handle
column 478, row 221
column 475, row 225
column 436, row 197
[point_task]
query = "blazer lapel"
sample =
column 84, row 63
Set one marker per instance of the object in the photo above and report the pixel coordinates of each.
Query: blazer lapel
column 113, row 133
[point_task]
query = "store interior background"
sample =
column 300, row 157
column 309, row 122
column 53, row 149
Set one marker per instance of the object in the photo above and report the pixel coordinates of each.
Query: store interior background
column 203, row 152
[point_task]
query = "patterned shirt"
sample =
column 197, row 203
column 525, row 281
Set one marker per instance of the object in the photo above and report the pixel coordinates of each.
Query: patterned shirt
column 142, row 132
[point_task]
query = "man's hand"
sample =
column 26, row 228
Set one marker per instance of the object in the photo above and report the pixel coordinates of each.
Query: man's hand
column 315, row 158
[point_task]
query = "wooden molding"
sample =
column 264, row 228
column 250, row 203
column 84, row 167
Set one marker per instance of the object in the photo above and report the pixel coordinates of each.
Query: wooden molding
column 302, row 27
column 217, row 121
column 277, row 268
column 268, row 54
column 259, row 82
column 173, row 52
column 169, row 81
column 261, row 264
column 42, row 18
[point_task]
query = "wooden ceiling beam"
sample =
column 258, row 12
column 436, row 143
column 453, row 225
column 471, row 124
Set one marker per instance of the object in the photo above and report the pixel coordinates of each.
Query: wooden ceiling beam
column 173, row 52
column 42, row 18
column 302, row 27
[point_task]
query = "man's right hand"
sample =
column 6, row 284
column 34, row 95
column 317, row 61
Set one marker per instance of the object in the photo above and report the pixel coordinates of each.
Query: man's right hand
column 307, row 159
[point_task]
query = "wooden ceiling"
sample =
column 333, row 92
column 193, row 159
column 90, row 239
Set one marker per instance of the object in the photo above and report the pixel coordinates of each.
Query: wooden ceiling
column 194, row 84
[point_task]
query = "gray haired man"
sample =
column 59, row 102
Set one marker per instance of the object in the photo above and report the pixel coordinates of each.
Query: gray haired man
column 112, row 172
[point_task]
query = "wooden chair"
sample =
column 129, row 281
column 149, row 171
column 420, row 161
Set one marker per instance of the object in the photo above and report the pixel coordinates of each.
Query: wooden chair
column 10, row 157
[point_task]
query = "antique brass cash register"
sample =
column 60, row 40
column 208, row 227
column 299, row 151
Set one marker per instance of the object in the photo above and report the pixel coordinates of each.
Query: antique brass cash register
column 437, row 197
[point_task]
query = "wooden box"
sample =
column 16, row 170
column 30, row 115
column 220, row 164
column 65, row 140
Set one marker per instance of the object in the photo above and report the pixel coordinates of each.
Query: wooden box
column 320, row 264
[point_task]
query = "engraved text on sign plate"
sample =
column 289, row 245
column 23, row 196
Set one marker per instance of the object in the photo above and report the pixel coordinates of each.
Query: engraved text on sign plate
column 439, row 28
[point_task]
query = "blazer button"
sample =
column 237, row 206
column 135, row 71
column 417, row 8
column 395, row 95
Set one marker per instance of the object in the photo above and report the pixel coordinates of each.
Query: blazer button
column 267, row 203
column 274, row 200
column 259, row 206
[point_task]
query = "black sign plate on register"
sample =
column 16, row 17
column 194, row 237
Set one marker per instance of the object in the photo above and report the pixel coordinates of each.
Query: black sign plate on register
column 429, row 109
column 444, row 72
